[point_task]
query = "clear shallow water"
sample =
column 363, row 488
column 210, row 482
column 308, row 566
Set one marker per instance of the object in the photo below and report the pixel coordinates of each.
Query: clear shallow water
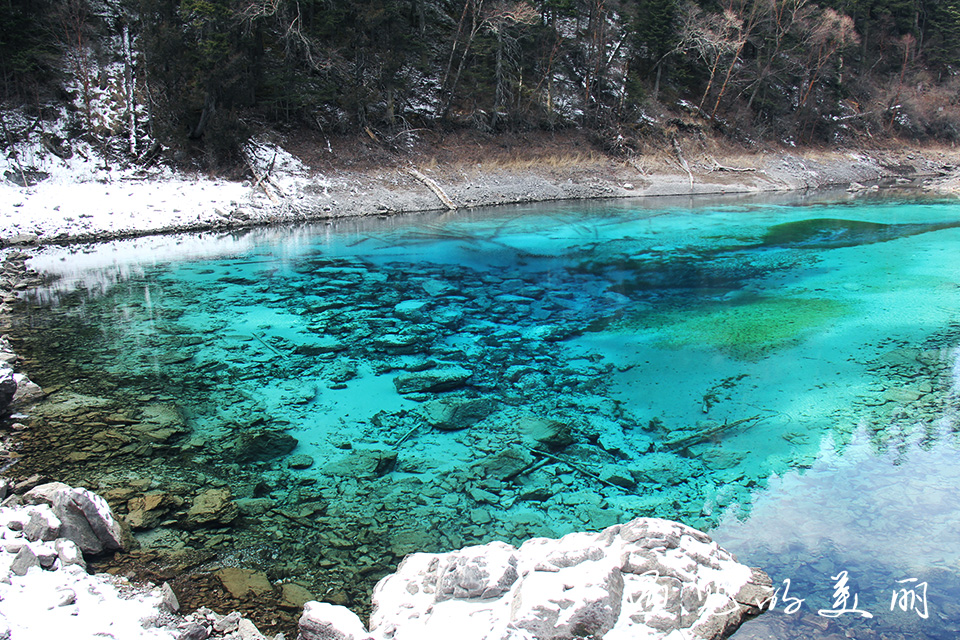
column 781, row 375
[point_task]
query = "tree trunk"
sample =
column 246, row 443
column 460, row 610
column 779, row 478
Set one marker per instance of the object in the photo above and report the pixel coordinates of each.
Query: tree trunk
column 474, row 28
column 499, row 92
column 128, row 80
column 209, row 108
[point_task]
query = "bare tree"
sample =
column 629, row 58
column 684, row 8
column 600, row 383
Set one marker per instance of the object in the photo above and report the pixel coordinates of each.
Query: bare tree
column 746, row 19
column 74, row 17
column 129, row 89
column 712, row 36
column 473, row 9
column 499, row 18
column 909, row 45
column 828, row 32
column 779, row 22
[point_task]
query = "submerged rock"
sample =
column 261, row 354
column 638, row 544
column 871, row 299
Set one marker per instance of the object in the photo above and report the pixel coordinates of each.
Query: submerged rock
column 160, row 423
column 414, row 310
column 649, row 578
column 663, row 468
column 453, row 414
column 212, row 507
column 263, row 445
column 504, row 463
column 320, row 345
column 294, row 596
column 300, row 461
column 148, row 510
column 364, row 463
column 243, row 582
column 545, row 432
column 444, row 378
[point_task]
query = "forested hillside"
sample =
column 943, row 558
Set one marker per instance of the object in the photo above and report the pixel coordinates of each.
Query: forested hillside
column 202, row 75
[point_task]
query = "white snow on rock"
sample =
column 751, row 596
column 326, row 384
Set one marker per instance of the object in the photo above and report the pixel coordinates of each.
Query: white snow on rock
column 45, row 590
column 85, row 517
column 649, row 578
column 321, row 620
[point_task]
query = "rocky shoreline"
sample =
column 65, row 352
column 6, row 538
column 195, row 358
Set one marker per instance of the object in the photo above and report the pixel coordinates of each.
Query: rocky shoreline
column 46, row 533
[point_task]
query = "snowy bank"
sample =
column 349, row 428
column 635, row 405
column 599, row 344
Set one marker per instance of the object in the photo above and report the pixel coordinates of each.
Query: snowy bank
column 648, row 578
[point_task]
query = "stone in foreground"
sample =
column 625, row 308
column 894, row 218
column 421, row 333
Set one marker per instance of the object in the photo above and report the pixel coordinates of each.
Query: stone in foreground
column 85, row 517
column 649, row 578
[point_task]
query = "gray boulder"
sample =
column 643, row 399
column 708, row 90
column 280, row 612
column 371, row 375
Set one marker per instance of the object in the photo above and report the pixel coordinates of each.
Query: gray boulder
column 27, row 392
column 8, row 389
column 41, row 524
column 483, row 572
column 16, row 390
column 85, row 517
column 648, row 578
column 68, row 552
column 25, row 560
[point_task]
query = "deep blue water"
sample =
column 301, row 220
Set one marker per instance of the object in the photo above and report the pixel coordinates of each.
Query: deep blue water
column 783, row 375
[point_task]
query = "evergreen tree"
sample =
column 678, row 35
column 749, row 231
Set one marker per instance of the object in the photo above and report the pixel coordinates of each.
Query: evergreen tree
column 28, row 54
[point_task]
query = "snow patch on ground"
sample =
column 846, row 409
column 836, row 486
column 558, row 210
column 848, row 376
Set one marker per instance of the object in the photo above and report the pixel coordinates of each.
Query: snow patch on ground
column 53, row 208
column 48, row 604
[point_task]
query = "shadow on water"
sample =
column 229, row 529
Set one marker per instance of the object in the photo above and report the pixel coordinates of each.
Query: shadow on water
column 833, row 233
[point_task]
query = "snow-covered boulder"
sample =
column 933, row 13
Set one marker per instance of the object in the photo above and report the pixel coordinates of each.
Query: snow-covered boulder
column 649, row 578
column 85, row 517
column 323, row 621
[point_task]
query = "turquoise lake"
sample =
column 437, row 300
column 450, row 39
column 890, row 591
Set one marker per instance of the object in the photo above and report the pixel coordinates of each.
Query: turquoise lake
column 782, row 374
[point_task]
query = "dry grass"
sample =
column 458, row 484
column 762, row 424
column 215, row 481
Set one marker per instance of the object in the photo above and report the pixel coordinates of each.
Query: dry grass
column 428, row 164
column 526, row 162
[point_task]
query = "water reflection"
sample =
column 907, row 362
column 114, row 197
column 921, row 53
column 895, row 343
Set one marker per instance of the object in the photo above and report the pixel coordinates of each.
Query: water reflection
column 889, row 518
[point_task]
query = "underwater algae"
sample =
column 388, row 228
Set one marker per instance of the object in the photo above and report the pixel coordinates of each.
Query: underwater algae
column 749, row 328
